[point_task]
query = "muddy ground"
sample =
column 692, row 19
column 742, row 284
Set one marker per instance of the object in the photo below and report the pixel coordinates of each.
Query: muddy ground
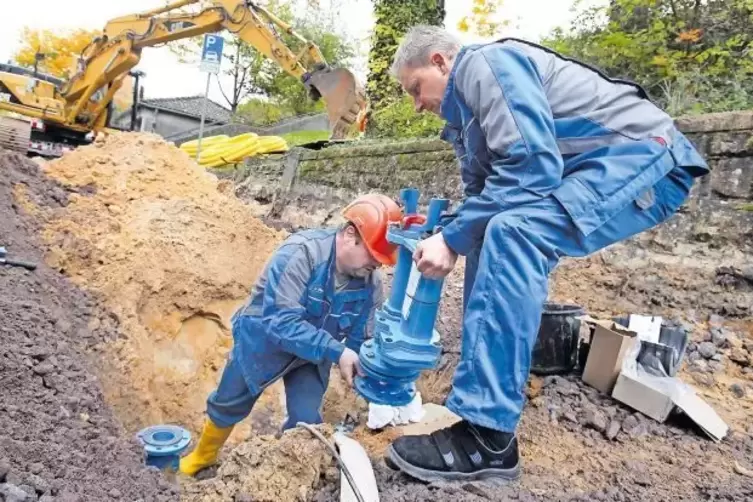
column 59, row 440
column 139, row 333
column 580, row 445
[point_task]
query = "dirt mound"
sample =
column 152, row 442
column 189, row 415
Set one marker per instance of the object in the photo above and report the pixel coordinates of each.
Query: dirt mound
column 626, row 278
column 57, row 436
column 172, row 255
column 265, row 469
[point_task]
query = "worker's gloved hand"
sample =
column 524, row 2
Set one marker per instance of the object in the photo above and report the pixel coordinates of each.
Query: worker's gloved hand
column 434, row 258
column 349, row 365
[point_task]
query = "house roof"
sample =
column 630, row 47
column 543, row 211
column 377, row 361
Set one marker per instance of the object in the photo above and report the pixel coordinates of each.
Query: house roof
column 191, row 106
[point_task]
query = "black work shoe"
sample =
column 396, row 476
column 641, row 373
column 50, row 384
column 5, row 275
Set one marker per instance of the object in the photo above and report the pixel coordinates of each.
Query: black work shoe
column 462, row 451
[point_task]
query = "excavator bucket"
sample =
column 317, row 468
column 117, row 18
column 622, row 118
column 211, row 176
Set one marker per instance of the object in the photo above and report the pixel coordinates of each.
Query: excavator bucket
column 343, row 96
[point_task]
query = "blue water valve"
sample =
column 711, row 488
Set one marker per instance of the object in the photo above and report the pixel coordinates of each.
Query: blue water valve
column 405, row 341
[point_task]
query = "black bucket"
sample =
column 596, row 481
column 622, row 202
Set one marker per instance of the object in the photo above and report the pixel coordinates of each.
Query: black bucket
column 556, row 349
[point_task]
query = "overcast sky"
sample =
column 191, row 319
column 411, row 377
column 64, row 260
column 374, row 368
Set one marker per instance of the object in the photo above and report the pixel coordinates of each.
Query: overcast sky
column 167, row 77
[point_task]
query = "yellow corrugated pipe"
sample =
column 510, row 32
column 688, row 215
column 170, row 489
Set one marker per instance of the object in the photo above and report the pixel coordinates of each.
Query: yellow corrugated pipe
column 190, row 146
column 221, row 150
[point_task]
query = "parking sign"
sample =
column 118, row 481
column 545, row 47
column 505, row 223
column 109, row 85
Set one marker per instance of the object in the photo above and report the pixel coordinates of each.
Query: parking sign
column 211, row 54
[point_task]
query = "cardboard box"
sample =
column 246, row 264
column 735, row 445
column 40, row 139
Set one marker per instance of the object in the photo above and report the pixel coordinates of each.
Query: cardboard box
column 641, row 396
column 656, row 397
column 610, row 344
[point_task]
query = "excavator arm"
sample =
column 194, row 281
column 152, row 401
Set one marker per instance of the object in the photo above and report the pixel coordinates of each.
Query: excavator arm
column 110, row 56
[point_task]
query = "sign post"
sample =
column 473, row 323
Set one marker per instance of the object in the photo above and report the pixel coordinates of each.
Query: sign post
column 211, row 57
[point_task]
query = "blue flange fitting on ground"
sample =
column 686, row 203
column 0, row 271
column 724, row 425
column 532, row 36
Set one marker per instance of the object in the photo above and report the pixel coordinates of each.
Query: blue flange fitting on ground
column 405, row 341
column 163, row 445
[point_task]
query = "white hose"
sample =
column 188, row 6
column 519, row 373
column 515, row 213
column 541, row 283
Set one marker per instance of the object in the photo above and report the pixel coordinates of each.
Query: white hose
column 334, row 452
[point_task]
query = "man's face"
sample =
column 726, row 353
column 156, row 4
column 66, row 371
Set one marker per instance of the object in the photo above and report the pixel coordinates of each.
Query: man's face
column 354, row 257
column 427, row 84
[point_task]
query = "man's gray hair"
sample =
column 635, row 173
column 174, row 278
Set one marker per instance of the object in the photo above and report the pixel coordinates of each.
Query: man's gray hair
column 418, row 45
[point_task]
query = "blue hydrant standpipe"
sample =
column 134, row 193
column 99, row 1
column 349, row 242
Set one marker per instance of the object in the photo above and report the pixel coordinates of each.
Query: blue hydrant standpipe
column 163, row 445
column 405, row 341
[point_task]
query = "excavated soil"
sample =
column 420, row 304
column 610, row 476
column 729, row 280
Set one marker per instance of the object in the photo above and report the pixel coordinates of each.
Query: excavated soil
column 58, row 438
column 171, row 255
column 145, row 236
column 580, row 445
column 265, row 469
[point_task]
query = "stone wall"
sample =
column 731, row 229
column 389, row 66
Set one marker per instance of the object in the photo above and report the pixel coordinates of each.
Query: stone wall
column 306, row 188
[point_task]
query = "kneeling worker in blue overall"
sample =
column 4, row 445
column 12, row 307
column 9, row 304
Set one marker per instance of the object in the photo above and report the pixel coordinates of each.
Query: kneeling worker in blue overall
column 309, row 309
column 557, row 160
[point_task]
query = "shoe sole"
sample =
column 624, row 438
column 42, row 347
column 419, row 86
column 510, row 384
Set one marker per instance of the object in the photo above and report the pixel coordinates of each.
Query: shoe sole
column 396, row 462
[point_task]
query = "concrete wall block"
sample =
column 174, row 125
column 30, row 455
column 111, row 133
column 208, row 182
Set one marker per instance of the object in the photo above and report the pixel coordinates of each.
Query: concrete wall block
column 702, row 143
column 733, row 177
column 714, row 122
column 730, row 143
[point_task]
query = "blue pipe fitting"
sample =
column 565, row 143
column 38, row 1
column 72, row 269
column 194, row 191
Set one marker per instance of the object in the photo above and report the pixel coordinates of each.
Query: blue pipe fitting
column 163, row 445
column 405, row 341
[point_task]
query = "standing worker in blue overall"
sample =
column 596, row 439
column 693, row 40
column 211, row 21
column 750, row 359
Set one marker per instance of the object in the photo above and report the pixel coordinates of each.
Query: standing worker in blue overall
column 309, row 309
column 557, row 160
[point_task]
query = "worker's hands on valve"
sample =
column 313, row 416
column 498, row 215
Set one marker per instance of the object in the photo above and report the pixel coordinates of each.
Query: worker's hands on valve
column 349, row 365
column 434, row 258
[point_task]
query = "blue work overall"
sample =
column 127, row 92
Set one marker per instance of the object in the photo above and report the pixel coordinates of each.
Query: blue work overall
column 294, row 326
column 557, row 160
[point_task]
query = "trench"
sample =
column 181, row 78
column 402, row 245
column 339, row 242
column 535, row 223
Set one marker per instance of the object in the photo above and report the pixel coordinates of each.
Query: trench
column 170, row 257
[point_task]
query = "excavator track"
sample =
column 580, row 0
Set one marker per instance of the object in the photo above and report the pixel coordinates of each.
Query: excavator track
column 15, row 134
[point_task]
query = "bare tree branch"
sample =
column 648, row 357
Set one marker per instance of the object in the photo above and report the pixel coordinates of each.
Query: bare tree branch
column 696, row 11
column 674, row 9
column 219, row 84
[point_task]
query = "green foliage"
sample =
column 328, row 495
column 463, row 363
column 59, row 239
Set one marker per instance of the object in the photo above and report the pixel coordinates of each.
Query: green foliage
column 313, row 25
column 692, row 56
column 400, row 120
column 261, row 112
column 255, row 74
column 393, row 19
column 483, row 19
column 303, row 137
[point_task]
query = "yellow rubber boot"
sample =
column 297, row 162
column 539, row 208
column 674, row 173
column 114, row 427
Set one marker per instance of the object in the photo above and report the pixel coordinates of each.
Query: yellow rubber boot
column 206, row 452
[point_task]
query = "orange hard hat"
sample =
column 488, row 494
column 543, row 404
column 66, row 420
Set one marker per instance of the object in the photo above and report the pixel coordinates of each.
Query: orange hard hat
column 371, row 214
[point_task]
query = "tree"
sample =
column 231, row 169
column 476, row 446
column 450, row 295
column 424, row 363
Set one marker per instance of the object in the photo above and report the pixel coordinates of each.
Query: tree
column 393, row 19
column 483, row 19
column 399, row 120
column 252, row 73
column 692, row 56
column 54, row 52
column 288, row 91
column 123, row 98
column 260, row 112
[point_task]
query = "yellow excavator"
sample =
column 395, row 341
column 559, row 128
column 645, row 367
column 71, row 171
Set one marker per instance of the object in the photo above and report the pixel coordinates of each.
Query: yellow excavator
column 48, row 116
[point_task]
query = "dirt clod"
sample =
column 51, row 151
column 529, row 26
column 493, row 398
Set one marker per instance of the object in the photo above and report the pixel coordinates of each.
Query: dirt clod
column 613, row 430
column 707, row 350
column 13, row 493
column 596, row 420
column 738, row 390
column 270, row 470
column 740, row 356
column 719, row 337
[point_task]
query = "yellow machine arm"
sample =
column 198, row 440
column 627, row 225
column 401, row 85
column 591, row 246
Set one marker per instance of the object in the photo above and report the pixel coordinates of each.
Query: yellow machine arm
column 109, row 58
